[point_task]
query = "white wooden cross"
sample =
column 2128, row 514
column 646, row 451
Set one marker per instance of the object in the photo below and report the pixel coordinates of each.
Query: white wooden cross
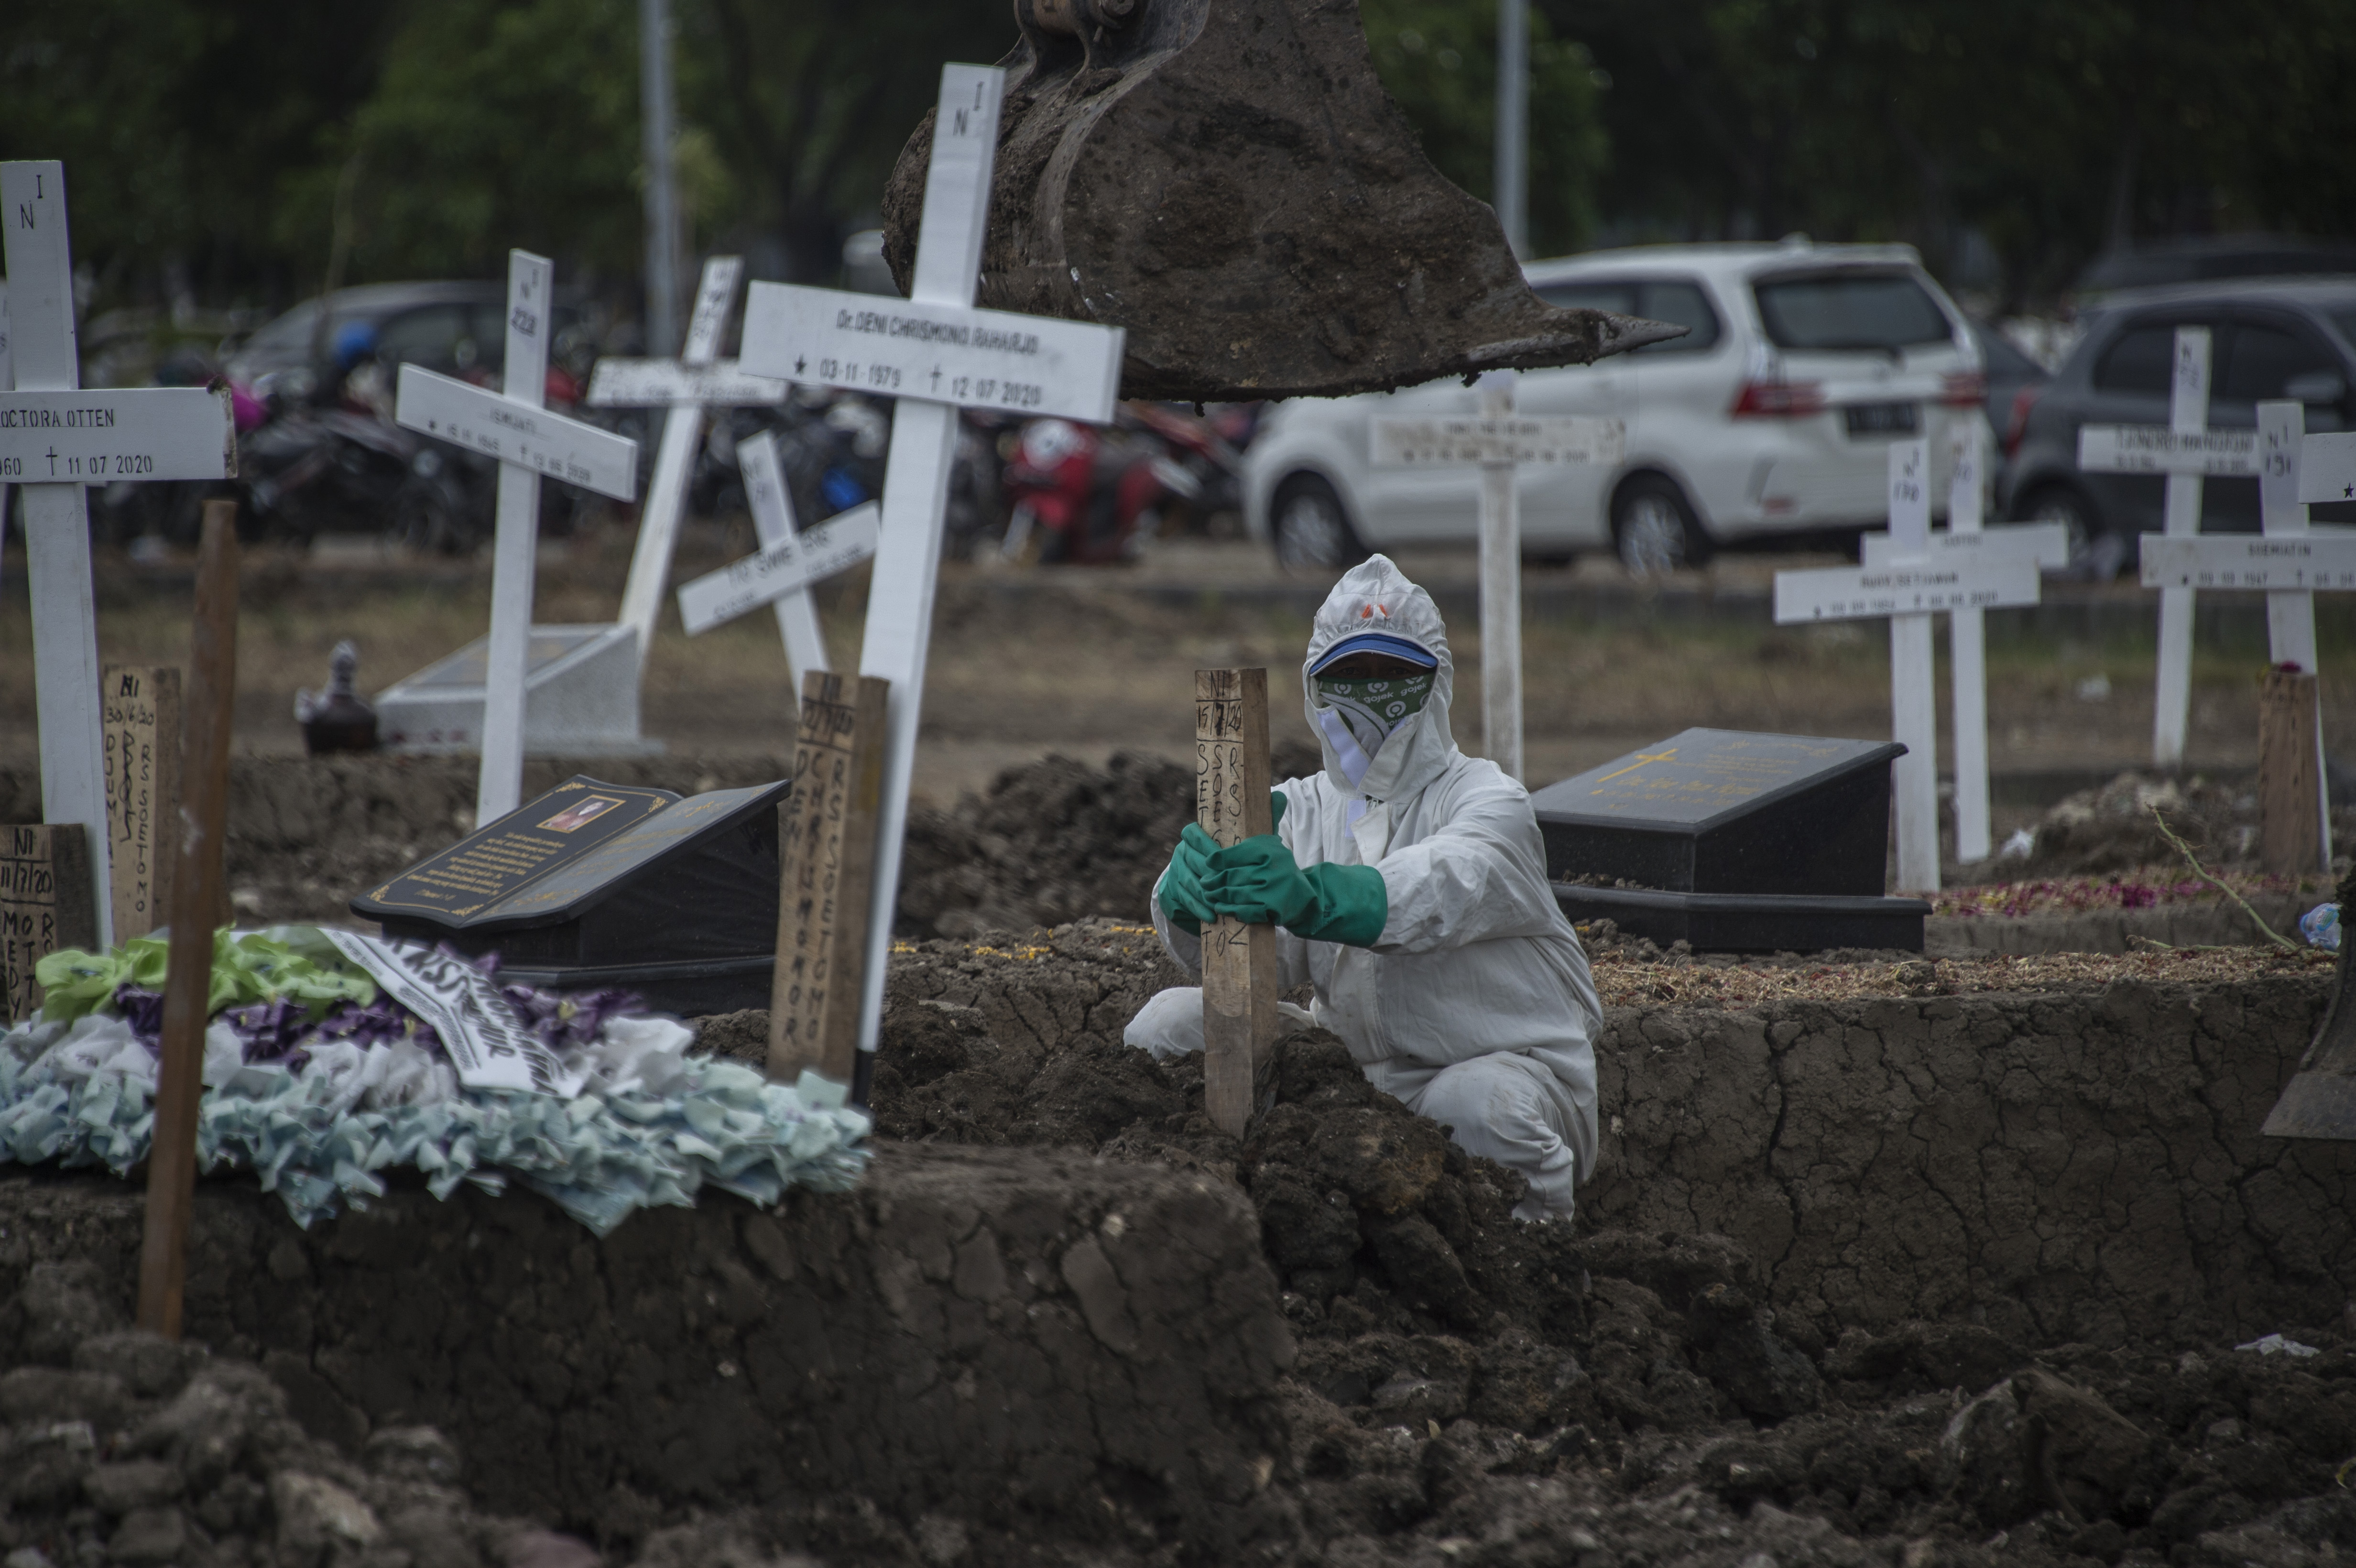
column 2186, row 450
column 2043, row 545
column 1500, row 441
column 935, row 353
column 787, row 564
column 1919, row 580
column 513, row 426
column 2286, row 561
column 686, row 388
column 56, row 440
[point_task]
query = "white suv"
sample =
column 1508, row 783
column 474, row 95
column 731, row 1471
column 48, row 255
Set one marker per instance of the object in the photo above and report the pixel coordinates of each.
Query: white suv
column 1773, row 415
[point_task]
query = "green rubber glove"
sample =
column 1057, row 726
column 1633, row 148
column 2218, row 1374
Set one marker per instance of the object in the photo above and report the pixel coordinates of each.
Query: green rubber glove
column 1182, row 885
column 1258, row 883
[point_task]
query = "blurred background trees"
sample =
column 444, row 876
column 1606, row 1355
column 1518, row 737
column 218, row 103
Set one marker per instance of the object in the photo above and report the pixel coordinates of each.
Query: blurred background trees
column 218, row 147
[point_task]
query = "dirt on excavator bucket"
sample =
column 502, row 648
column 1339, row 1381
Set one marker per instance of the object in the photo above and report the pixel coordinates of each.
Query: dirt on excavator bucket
column 1228, row 181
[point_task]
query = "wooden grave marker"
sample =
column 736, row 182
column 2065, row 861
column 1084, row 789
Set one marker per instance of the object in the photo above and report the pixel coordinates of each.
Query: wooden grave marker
column 514, row 426
column 2291, row 782
column 1231, row 801
column 57, row 439
column 1501, row 443
column 1919, row 581
column 44, row 905
column 826, row 856
column 936, row 353
column 141, row 716
column 196, row 909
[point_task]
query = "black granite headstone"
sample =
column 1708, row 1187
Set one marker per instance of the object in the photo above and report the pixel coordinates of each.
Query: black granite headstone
column 595, row 884
column 1733, row 841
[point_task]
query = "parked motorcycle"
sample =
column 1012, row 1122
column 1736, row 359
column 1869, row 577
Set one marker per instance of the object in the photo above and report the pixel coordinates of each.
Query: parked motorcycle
column 1084, row 496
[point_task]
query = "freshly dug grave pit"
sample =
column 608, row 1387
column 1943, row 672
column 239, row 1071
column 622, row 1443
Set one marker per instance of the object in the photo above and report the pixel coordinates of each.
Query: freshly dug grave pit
column 1880, row 1278
column 1938, row 1276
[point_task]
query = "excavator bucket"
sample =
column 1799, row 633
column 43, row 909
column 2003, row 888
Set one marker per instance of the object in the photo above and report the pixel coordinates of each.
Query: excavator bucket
column 1228, row 181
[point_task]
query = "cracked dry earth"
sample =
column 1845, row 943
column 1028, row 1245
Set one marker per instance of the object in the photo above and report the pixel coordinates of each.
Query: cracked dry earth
column 1948, row 1278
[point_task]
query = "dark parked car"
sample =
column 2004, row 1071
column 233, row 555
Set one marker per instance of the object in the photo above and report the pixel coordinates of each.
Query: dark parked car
column 2009, row 371
column 2295, row 338
column 458, row 328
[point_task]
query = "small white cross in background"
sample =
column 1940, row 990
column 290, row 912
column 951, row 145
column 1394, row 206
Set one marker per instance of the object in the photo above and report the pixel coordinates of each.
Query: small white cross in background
column 56, row 440
column 2045, row 546
column 1920, row 580
column 2186, row 450
column 512, row 426
column 934, row 352
column 1500, row 441
column 687, row 387
column 2286, row 561
column 788, row 564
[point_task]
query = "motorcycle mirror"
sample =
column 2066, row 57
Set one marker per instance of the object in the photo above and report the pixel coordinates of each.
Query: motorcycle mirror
column 1228, row 180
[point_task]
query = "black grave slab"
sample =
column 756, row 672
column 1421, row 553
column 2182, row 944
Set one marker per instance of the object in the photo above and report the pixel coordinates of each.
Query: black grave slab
column 596, row 885
column 1727, row 811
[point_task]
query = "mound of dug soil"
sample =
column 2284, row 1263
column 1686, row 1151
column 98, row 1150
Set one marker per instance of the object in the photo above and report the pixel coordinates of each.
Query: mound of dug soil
column 1471, row 1389
column 1053, row 841
column 2102, row 832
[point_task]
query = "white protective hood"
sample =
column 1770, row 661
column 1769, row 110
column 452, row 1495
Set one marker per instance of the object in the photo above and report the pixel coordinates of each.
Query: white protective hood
column 1375, row 596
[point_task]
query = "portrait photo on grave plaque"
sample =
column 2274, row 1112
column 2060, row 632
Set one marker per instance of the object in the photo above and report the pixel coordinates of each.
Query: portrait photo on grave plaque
column 593, row 884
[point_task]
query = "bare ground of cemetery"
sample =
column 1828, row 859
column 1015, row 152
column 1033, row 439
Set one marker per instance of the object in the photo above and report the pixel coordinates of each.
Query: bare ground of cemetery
column 1088, row 662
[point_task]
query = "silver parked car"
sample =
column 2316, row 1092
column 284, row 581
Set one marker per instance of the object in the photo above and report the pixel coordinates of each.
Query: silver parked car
column 1773, row 415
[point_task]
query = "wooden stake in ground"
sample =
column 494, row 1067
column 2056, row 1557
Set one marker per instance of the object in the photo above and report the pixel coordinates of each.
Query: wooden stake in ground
column 44, row 905
column 825, row 857
column 195, row 900
column 2290, row 790
column 140, row 707
column 1231, row 785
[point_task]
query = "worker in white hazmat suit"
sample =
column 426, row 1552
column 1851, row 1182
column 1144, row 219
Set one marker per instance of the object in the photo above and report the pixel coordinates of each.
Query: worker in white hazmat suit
column 1409, row 885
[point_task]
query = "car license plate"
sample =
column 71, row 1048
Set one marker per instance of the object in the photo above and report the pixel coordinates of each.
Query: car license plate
column 1882, row 419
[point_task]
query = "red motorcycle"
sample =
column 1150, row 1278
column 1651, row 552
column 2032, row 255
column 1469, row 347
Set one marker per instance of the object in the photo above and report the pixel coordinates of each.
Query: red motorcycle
column 1081, row 495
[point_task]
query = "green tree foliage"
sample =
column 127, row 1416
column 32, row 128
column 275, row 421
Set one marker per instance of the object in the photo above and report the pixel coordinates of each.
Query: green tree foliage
column 207, row 140
column 2053, row 129
column 1438, row 59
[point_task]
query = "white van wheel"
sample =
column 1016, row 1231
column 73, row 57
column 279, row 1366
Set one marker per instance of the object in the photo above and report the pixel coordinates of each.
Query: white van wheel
column 1655, row 533
column 1311, row 531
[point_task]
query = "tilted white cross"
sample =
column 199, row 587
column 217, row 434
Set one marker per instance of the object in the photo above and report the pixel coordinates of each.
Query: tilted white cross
column 56, row 440
column 1500, row 441
column 1921, row 581
column 2043, row 545
column 687, row 387
column 2186, row 450
column 2286, row 561
column 787, row 564
column 513, row 426
column 935, row 352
